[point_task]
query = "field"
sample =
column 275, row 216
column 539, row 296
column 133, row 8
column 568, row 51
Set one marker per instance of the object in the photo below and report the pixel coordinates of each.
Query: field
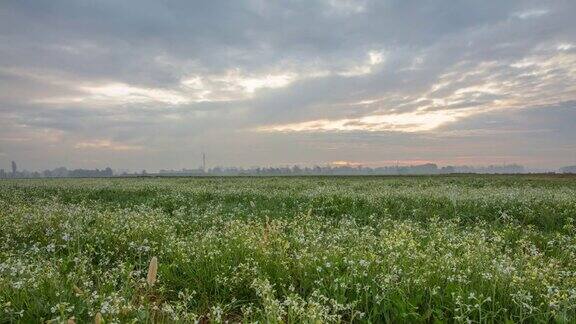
column 288, row 249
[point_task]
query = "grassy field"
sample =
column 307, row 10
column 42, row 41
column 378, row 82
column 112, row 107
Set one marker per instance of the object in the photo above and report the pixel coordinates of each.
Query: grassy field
column 314, row 249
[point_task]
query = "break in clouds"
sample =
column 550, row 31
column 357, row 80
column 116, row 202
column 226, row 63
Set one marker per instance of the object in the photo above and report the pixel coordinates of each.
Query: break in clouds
column 152, row 84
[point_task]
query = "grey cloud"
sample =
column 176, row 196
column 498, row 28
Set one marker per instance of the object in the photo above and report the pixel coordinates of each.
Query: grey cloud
column 51, row 51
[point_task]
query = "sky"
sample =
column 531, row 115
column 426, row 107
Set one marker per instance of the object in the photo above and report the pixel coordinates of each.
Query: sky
column 139, row 84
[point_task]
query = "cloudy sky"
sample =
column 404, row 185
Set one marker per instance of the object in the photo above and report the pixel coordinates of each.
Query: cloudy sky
column 143, row 84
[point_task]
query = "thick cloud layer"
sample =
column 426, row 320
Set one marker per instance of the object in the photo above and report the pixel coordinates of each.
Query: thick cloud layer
column 152, row 84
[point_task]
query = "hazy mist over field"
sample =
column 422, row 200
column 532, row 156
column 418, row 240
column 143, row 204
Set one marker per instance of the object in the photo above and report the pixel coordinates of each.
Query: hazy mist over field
column 153, row 84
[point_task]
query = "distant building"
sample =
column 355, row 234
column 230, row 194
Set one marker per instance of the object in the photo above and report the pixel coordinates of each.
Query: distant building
column 14, row 168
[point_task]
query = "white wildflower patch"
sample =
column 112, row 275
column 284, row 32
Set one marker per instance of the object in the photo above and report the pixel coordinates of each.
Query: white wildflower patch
column 316, row 250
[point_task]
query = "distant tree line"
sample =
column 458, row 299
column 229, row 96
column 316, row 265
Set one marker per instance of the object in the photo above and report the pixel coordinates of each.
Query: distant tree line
column 60, row 172
column 428, row 168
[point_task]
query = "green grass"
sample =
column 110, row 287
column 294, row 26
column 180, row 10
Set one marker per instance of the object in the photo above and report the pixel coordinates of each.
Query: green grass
column 290, row 249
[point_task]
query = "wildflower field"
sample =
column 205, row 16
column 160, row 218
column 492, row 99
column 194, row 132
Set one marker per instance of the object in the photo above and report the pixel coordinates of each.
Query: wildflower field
column 289, row 249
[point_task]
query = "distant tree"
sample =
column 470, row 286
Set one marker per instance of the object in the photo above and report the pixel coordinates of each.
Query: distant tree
column 448, row 169
column 568, row 169
column 60, row 172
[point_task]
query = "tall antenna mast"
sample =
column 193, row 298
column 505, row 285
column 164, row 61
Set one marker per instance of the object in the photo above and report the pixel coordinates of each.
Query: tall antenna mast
column 203, row 162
